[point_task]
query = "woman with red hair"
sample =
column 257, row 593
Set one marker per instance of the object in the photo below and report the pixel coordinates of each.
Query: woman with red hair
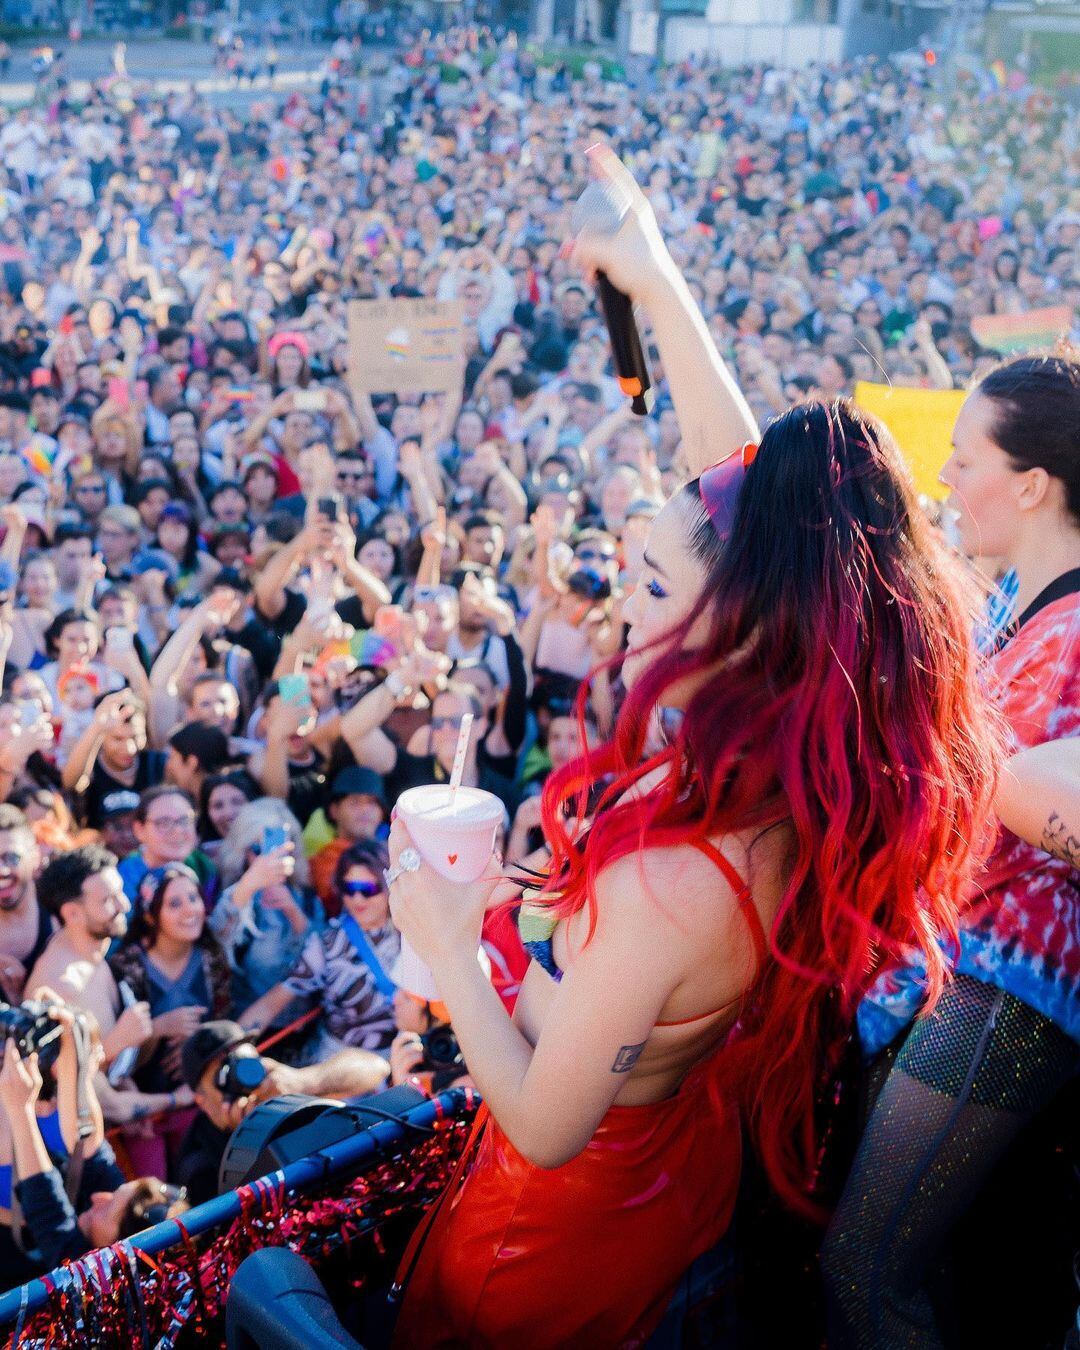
column 817, row 802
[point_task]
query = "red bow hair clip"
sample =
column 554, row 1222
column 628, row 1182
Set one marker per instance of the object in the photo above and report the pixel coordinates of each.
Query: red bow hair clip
column 719, row 487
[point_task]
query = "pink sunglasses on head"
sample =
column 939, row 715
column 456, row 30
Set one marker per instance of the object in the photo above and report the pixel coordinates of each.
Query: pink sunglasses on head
column 719, row 487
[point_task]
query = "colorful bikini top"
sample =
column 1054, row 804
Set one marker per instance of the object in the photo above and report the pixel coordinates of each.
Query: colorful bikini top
column 537, row 924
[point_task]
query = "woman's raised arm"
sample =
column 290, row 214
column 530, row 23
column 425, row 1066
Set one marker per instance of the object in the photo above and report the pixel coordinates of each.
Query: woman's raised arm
column 713, row 416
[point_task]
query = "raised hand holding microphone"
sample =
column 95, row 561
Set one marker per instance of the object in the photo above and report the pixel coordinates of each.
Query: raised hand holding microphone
column 713, row 416
column 611, row 202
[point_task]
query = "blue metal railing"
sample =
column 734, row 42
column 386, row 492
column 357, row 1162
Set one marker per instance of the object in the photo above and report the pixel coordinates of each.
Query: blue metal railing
column 345, row 1155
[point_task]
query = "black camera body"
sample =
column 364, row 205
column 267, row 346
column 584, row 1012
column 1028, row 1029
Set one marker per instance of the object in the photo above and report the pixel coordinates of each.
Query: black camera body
column 442, row 1055
column 589, row 583
column 33, row 1029
column 240, row 1075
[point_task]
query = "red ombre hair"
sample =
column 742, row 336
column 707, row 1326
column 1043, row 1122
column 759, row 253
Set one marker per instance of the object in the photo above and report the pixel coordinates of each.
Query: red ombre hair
column 837, row 691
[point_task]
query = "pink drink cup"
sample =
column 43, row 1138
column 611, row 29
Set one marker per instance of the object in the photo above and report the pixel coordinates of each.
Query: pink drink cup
column 456, row 840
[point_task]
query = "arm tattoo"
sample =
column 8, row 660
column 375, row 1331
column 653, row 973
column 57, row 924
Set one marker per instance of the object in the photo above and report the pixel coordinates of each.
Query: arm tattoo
column 1058, row 840
column 627, row 1057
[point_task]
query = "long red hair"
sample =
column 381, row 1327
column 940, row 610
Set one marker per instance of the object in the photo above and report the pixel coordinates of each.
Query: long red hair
column 837, row 691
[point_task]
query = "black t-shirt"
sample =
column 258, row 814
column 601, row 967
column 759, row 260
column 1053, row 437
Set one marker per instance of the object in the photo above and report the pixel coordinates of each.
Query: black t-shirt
column 415, row 770
column 257, row 637
column 149, row 771
column 200, row 1159
column 307, row 789
column 350, row 610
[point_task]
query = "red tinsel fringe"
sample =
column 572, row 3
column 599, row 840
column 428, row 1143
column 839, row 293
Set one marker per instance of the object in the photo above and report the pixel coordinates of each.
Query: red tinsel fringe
column 121, row 1297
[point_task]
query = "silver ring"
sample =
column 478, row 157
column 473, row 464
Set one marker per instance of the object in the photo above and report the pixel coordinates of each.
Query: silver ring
column 409, row 861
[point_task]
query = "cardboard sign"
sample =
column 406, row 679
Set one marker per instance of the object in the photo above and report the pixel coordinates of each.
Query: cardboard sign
column 405, row 346
column 921, row 422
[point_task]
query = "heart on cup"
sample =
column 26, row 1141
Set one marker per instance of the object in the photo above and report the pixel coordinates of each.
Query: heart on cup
column 451, row 858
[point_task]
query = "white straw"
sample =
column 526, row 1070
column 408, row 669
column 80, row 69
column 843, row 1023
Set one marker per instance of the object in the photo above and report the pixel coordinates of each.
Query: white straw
column 459, row 755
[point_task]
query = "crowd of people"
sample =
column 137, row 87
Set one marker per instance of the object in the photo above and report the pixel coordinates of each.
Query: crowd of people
column 244, row 604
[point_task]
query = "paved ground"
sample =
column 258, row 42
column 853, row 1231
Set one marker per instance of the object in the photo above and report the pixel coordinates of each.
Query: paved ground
column 168, row 62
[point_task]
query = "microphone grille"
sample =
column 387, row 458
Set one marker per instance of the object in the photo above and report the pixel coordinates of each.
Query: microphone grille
column 600, row 209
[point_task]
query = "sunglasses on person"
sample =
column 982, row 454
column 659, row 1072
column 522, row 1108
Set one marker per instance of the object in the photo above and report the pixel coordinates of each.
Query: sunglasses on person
column 592, row 554
column 368, row 889
column 444, row 723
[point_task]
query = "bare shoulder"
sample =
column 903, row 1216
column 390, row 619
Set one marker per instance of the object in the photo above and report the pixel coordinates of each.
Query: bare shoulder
column 679, row 887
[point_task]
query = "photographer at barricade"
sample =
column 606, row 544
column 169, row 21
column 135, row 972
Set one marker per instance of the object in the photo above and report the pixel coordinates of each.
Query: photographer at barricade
column 66, row 1196
column 229, row 1077
column 425, row 1053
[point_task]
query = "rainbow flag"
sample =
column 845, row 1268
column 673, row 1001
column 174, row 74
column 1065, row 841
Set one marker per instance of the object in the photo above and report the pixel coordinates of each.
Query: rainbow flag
column 1036, row 330
column 371, row 648
column 37, row 455
column 921, row 422
column 999, row 73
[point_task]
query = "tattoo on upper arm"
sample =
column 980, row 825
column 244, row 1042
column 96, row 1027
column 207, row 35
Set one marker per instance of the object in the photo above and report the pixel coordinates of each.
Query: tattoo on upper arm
column 627, row 1057
column 1060, row 841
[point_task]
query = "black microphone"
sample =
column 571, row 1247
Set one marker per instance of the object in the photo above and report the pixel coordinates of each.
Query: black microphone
column 601, row 209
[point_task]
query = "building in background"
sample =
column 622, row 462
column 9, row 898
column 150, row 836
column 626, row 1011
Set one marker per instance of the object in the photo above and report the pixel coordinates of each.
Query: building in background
column 1039, row 33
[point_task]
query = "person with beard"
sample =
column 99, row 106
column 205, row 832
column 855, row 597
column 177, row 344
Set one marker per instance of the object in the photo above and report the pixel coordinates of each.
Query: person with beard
column 83, row 892
column 25, row 926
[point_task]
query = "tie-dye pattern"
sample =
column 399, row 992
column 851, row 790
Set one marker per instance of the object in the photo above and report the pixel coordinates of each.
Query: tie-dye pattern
column 1022, row 930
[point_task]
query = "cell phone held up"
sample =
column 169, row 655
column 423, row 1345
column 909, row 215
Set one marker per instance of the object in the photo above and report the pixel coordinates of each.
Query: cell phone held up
column 309, row 400
column 119, row 639
column 331, row 507
column 273, row 837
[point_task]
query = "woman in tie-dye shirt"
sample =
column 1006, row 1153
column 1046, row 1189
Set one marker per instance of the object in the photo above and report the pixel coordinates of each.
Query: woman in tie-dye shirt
column 959, row 1084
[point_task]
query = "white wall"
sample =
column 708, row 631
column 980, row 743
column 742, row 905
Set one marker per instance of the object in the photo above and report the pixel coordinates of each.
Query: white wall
column 737, row 44
column 749, row 11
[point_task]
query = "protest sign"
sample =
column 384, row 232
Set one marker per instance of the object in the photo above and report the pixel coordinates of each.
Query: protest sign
column 921, row 422
column 405, row 346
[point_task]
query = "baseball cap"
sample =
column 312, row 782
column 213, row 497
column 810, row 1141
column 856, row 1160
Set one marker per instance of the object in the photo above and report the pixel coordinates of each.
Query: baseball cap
column 643, row 506
column 255, row 459
column 356, row 780
column 202, row 1047
column 155, row 560
column 119, row 804
column 73, row 417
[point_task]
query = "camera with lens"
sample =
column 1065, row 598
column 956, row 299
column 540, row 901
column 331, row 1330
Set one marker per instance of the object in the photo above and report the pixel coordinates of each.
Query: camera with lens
column 589, row 583
column 33, row 1029
column 442, row 1055
column 240, row 1074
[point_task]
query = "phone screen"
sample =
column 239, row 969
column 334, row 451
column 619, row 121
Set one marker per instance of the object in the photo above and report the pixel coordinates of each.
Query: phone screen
column 119, row 639
column 309, row 400
column 295, row 689
column 119, row 393
column 273, row 837
column 29, row 712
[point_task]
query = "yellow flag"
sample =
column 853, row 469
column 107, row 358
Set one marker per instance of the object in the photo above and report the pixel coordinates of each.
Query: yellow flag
column 921, row 421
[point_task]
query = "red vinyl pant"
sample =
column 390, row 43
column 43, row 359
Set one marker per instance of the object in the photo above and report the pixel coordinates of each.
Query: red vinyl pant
column 583, row 1255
